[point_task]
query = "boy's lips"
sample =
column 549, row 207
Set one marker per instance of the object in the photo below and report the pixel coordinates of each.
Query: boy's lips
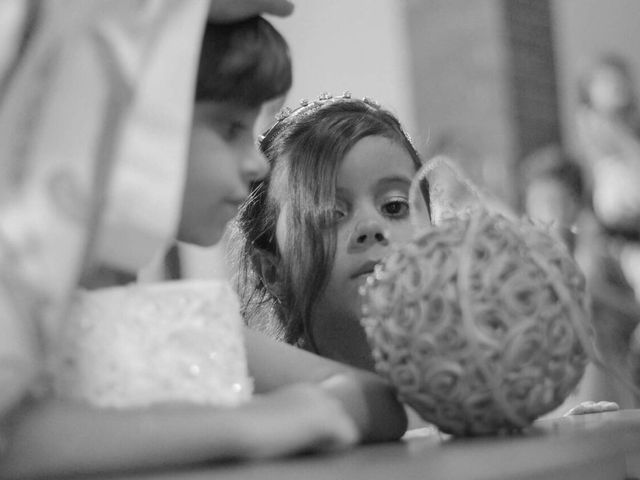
column 229, row 208
column 235, row 202
column 365, row 269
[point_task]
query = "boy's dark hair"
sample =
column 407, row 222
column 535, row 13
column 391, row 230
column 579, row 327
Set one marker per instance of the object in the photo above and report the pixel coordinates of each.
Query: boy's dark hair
column 246, row 62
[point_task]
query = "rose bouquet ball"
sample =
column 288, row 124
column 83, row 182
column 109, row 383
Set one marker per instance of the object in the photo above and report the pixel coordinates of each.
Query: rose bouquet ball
column 480, row 323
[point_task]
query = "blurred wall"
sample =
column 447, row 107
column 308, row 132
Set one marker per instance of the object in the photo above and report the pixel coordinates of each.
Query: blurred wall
column 584, row 29
column 484, row 75
column 354, row 45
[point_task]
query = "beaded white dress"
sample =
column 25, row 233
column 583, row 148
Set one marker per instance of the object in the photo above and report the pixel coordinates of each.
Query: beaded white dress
column 94, row 130
column 142, row 344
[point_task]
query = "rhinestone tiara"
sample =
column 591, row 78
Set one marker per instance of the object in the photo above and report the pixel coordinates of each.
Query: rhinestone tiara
column 305, row 104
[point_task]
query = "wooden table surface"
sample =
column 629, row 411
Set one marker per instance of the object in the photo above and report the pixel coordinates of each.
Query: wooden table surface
column 603, row 446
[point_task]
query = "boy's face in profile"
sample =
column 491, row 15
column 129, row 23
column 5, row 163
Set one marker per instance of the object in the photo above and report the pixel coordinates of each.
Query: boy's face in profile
column 268, row 113
column 223, row 160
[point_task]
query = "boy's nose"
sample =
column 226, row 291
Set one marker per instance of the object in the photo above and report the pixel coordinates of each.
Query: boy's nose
column 367, row 233
column 253, row 165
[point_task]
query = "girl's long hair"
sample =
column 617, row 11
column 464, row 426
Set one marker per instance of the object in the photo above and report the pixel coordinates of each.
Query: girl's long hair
column 305, row 152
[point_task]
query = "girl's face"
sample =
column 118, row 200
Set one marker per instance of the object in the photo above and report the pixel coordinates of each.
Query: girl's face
column 223, row 160
column 372, row 197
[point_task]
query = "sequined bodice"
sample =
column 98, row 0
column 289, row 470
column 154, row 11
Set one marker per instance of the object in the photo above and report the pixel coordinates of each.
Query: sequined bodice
column 143, row 344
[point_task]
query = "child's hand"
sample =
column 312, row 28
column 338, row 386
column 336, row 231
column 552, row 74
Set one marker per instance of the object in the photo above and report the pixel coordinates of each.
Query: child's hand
column 233, row 10
column 593, row 407
column 300, row 418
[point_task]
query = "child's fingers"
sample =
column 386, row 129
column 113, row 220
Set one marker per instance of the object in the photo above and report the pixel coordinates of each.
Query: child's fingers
column 281, row 8
column 322, row 419
column 609, row 406
column 577, row 410
column 593, row 407
column 233, row 10
column 300, row 418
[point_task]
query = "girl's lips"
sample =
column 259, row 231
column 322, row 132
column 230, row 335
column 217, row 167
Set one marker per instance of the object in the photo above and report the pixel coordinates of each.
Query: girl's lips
column 365, row 269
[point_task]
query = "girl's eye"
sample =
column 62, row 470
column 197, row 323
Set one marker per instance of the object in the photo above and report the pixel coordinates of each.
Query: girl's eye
column 338, row 214
column 396, row 208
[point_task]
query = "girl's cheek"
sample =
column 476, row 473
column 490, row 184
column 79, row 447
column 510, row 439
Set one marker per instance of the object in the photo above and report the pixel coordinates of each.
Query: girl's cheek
column 401, row 233
column 343, row 235
column 282, row 230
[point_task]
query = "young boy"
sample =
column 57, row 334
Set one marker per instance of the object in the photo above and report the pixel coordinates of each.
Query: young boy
column 48, row 436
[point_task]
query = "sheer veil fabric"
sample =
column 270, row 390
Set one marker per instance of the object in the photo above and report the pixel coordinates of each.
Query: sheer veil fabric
column 93, row 134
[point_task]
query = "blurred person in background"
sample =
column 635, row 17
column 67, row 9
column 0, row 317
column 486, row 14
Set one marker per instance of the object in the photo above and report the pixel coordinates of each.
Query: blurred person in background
column 608, row 126
column 555, row 196
column 554, row 191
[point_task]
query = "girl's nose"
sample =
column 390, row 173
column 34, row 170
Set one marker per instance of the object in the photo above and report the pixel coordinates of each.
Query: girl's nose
column 367, row 233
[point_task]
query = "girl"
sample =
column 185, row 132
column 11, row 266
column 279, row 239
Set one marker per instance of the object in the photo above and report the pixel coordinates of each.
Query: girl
column 334, row 201
column 332, row 407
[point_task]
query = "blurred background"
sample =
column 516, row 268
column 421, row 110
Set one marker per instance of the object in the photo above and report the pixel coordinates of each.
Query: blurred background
column 487, row 81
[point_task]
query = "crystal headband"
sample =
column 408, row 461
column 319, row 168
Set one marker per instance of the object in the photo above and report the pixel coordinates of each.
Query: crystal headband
column 305, row 104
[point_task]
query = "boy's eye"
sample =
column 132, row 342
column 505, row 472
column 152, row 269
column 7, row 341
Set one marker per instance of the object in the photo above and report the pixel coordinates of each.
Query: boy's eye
column 396, row 208
column 234, row 130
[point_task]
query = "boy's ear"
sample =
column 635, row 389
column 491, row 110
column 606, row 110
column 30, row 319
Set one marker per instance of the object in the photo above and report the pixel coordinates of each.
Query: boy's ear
column 269, row 270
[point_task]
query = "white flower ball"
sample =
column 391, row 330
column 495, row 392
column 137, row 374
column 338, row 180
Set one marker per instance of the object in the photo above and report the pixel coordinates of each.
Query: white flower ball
column 480, row 323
